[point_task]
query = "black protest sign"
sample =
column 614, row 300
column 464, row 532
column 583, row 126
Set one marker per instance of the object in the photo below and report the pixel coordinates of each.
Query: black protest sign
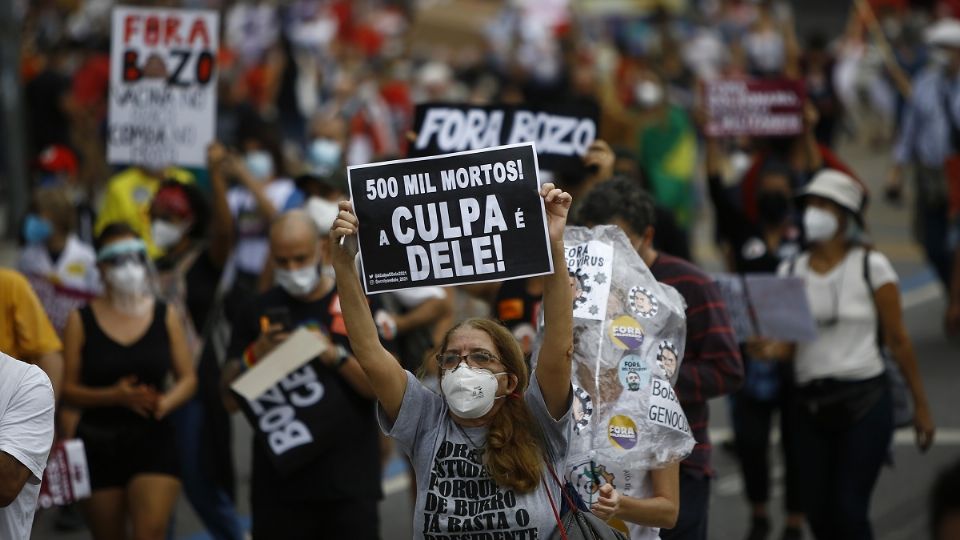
column 292, row 419
column 468, row 217
column 561, row 132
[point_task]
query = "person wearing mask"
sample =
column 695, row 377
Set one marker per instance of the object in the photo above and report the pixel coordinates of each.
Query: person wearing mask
column 711, row 365
column 127, row 200
column 928, row 140
column 759, row 246
column 189, row 275
column 61, row 268
column 335, row 493
column 25, row 330
column 667, row 149
column 844, row 422
column 504, row 442
column 26, row 435
column 261, row 194
column 57, row 167
column 120, row 351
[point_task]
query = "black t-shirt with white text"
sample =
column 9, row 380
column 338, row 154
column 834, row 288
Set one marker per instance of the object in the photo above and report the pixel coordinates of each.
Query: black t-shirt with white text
column 347, row 467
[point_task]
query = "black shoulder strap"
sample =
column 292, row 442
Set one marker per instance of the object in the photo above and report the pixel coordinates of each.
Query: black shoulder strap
column 951, row 120
column 873, row 299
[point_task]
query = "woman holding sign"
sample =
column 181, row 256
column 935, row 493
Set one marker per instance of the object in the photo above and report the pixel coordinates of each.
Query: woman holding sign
column 483, row 450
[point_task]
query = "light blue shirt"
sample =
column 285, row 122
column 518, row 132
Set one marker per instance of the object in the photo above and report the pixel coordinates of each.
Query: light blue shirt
column 925, row 131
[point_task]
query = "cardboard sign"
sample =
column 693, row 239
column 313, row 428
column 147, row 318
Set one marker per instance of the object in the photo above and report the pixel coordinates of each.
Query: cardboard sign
column 468, row 217
column 301, row 347
column 562, row 133
column 163, row 86
column 66, row 478
column 767, row 306
column 754, row 108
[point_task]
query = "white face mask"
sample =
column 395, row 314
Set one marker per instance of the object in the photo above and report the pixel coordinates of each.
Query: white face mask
column 819, row 224
column 129, row 278
column 165, row 234
column 324, row 154
column 648, row 94
column 299, row 282
column 470, row 392
column 260, row 165
column 323, row 212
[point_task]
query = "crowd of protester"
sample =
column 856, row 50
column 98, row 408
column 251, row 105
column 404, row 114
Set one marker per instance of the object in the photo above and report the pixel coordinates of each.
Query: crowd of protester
column 142, row 292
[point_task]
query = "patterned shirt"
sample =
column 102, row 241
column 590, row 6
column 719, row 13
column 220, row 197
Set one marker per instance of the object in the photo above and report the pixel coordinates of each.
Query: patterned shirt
column 711, row 364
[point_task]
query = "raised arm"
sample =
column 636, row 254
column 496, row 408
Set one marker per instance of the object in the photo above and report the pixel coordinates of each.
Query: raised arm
column 388, row 378
column 221, row 235
column 553, row 362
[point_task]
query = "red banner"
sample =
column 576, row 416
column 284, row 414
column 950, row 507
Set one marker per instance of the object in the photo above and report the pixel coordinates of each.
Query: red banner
column 754, row 107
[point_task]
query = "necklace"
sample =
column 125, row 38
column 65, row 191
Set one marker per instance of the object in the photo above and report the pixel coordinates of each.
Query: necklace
column 479, row 448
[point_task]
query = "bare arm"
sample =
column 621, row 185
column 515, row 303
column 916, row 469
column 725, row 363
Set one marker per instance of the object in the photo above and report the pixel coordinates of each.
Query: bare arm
column 13, row 476
column 52, row 364
column 887, row 299
column 221, row 236
column 553, row 361
column 387, row 378
column 662, row 507
column 426, row 313
column 182, row 363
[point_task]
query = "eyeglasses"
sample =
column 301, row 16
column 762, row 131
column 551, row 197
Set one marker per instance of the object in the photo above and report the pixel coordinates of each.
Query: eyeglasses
column 119, row 259
column 476, row 359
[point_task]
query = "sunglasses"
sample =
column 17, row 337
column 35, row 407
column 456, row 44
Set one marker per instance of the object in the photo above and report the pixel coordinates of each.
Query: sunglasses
column 476, row 359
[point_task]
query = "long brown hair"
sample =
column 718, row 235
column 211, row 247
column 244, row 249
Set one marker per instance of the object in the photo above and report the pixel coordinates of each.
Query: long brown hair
column 513, row 455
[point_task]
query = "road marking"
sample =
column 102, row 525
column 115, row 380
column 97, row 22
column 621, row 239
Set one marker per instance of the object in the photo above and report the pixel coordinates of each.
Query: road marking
column 921, row 295
column 901, row 437
column 396, row 484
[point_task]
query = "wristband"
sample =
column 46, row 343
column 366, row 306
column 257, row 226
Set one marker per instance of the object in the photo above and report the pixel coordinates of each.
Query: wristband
column 342, row 356
column 249, row 360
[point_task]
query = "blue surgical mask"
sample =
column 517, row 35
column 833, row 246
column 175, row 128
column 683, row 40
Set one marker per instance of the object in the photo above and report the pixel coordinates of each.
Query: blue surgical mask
column 324, row 155
column 260, row 165
column 36, row 230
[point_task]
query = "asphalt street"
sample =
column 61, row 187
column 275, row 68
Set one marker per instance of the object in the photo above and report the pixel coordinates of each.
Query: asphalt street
column 900, row 502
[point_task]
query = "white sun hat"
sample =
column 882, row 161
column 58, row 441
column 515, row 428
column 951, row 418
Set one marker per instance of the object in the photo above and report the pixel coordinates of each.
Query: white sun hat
column 838, row 187
column 944, row 33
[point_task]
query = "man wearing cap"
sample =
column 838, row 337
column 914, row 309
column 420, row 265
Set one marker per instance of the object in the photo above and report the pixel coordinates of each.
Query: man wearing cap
column 928, row 139
column 57, row 167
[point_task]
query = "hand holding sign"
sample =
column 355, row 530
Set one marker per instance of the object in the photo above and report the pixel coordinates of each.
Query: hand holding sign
column 344, row 235
column 557, row 204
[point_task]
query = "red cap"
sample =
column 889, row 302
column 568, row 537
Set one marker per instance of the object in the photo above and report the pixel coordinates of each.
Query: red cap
column 56, row 159
column 174, row 200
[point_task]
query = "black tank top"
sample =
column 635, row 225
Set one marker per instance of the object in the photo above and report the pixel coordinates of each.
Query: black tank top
column 105, row 362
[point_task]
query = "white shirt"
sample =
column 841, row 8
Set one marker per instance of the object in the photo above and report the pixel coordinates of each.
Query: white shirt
column 75, row 269
column 846, row 350
column 252, row 228
column 26, row 434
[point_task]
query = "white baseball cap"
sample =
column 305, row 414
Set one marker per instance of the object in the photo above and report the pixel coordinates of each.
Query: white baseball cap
column 944, row 33
column 838, row 187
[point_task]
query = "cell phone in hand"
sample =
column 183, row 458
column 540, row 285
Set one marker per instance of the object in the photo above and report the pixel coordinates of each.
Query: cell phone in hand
column 280, row 316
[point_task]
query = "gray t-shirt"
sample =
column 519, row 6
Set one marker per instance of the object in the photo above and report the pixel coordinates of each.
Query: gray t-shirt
column 456, row 497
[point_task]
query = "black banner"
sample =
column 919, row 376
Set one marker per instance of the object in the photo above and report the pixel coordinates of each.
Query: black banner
column 561, row 133
column 459, row 218
column 293, row 419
